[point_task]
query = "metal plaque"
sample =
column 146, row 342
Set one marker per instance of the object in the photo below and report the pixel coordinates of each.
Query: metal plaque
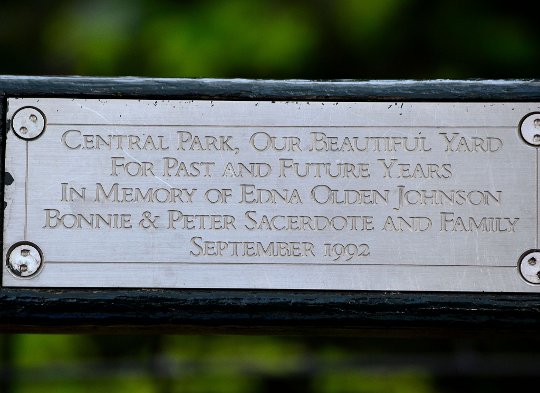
column 279, row 195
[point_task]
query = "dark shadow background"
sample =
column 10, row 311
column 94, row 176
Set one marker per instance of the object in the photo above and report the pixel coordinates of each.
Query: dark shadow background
column 317, row 39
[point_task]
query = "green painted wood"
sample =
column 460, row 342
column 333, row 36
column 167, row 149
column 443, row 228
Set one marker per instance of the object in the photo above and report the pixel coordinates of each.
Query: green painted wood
column 240, row 311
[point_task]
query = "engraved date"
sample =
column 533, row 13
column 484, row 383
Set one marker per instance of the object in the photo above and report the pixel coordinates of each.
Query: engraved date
column 345, row 252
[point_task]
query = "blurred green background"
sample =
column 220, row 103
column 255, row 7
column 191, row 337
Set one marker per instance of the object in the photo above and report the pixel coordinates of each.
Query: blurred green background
column 315, row 39
column 275, row 39
column 163, row 364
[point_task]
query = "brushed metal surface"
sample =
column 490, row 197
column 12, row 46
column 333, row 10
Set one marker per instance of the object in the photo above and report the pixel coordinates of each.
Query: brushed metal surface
column 332, row 195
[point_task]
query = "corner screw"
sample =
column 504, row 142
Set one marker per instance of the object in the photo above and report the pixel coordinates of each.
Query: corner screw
column 529, row 268
column 529, row 129
column 24, row 259
column 28, row 123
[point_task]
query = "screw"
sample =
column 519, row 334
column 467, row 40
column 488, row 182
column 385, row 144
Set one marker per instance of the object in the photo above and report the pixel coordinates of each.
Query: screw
column 529, row 267
column 28, row 123
column 528, row 128
column 24, row 259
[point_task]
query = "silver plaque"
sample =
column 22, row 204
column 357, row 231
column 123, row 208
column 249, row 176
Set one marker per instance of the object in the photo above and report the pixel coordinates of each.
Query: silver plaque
column 275, row 195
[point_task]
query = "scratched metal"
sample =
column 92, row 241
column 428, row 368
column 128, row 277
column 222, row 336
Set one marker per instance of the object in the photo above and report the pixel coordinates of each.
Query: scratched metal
column 199, row 237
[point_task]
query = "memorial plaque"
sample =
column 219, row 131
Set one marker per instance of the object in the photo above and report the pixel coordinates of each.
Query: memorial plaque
column 410, row 196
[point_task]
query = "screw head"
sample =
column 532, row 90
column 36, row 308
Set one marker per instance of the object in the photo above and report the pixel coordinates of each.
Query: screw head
column 529, row 129
column 28, row 123
column 24, row 260
column 529, row 267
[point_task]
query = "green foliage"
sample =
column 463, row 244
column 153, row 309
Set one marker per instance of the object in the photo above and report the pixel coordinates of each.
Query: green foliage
column 235, row 364
column 270, row 38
